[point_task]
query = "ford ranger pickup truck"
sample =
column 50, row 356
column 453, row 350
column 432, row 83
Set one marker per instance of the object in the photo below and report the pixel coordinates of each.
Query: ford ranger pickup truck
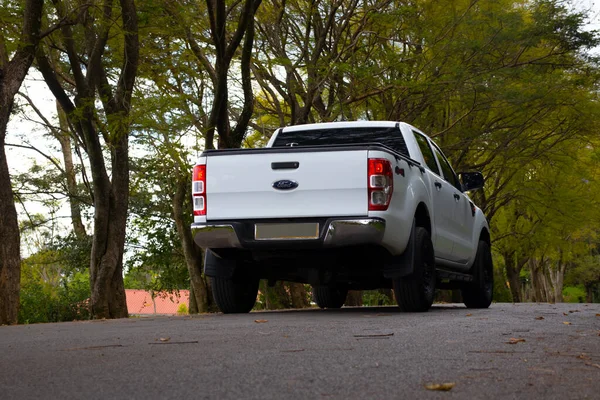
column 341, row 206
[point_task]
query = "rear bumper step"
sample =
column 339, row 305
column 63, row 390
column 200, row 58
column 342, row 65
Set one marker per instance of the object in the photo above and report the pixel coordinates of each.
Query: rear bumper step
column 333, row 232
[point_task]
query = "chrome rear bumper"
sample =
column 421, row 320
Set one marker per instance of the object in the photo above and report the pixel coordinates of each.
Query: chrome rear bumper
column 336, row 233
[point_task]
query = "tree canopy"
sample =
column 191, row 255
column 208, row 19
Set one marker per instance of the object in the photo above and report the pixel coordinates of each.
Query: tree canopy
column 507, row 87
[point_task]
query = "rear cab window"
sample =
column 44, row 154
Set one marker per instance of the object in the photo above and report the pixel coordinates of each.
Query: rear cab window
column 387, row 136
column 427, row 153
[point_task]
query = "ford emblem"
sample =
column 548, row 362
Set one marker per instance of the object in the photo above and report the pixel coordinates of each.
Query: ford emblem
column 285, row 184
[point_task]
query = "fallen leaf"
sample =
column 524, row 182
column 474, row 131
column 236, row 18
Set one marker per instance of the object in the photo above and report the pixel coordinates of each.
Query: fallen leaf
column 261, row 321
column 539, row 318
column 597, row 315
column 468, row 315
column 567, row 323
column 515, row 340
column 165, row 339
column 444, row 387
column 584, row 356
column 572, row 311
column 565, row 313
column 593, row 365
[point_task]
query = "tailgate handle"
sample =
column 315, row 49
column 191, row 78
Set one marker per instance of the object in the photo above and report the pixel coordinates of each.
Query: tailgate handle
column 285, row 165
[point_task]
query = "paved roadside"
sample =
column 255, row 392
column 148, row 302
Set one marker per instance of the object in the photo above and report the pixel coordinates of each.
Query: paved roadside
column 524, row 351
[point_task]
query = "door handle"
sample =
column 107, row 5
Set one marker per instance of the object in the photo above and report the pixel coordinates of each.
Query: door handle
column 438, row 185
column 456, row 197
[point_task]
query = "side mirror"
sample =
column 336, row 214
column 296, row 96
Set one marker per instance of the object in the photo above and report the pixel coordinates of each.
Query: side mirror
column 471, row 180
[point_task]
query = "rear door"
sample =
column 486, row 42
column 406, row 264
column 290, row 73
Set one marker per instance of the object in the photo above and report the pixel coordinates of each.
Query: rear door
column 290, row 184
column 443, row 206
column 461, row 220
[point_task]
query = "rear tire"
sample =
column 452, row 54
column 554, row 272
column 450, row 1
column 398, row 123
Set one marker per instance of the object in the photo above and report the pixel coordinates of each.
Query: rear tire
column 479, row 294
column 415, row 293
column 234, row 297
column 330, row 296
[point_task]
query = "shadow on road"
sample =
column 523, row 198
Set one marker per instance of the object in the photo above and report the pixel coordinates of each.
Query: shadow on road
column 364, row 310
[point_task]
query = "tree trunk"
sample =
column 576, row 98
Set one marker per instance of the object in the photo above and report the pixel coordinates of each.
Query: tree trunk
column 111, row 200
column 354, row 298
column 538, row 282
column 515, row 283
column 276, row 297
column 298, row 295
column 192, row 304
column 111, row 194
column 513, row 267
column 589, row 293
column 12, row 74
column 192, row 253
column 64, row 138
column 10, row 254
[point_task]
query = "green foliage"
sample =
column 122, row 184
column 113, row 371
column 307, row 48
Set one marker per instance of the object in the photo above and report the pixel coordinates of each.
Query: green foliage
column 44, row 302
column 572, row 294
column 55, row 282
column 182, row 309
column 373, row 298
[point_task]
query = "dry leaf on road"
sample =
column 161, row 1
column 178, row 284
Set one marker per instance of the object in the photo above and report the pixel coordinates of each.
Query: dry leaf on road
column 539, row 318
column 567, row 323
column 584, row 356
column 261, row 321
column 597, row 315
column 468, row 315
column 515, row 340
column 444, row 387
column 165, row 339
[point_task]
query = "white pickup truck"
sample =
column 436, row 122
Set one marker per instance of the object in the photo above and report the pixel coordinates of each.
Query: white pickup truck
column 344, row 205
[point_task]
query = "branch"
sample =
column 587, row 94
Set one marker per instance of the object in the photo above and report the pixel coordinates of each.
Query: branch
column 46, row 156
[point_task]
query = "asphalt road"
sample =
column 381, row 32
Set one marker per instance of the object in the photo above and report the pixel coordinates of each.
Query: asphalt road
column 353, row 353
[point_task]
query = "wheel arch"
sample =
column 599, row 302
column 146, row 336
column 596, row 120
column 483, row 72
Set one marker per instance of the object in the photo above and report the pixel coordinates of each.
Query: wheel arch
column 485, row 236
column 422, row 217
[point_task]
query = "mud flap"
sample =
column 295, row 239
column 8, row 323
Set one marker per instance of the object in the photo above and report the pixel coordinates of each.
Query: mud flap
column 402, row 265
column 218, row 267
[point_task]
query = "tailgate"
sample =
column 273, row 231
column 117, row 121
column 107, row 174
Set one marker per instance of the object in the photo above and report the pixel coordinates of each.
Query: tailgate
column 328, row 184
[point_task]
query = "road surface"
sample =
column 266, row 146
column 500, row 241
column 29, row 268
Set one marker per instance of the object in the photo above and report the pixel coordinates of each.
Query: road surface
column 524, row 351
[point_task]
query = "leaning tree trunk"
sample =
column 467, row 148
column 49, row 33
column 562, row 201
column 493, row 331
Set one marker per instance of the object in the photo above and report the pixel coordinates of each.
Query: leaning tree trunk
column 12, row 74
column 10, row 255
column 64, row 138
column 193, row 255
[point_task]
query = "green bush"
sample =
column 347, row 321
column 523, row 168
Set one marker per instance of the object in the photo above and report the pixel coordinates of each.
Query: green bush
column 182, row 309
column 574, row 294
column 372, row 298
column 67, row 302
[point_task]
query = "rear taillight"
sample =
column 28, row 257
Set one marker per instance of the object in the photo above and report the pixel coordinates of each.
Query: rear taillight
column 199, row 189
column 380, row 183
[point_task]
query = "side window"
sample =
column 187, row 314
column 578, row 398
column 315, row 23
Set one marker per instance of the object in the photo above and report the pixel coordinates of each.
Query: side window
column 427, row 152
column 449, row 174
